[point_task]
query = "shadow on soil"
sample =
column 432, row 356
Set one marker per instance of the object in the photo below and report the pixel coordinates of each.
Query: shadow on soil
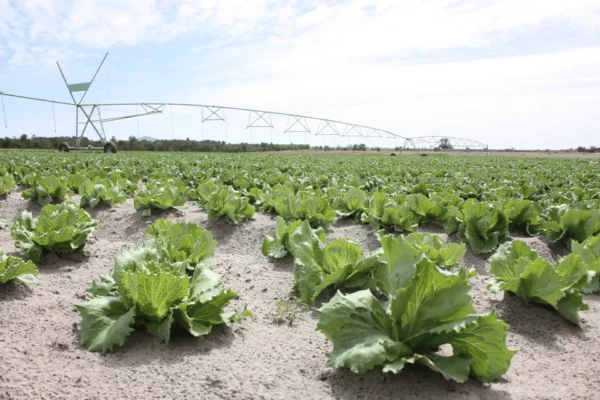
column 12, row 291
column 540, row 324
column 61, row 262
column 412, row 382
column 141, row 348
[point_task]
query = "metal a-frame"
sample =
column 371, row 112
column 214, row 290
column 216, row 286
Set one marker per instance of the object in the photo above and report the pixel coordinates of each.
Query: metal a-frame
column 85, row 87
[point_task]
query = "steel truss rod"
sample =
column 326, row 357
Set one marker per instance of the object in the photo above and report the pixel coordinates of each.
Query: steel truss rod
column 262, row 120
column 293, row 121
column 37, row 99
column 214, row 109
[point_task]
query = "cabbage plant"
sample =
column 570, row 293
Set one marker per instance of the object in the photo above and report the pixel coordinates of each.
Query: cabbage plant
column 317, row 265
column 351, row 204
column 383, row 213
column 427, row 307
column 517, row 269
column 564, row 223
column 229, row 203
column 182, row 243
column 47, row 189
column 155, row 287
column 279, row 245
column 589, row 252
column 61, row 228
column 101, row 191
column 16, row 270
column 7, row 184
column 159, row 195
column 483, row 225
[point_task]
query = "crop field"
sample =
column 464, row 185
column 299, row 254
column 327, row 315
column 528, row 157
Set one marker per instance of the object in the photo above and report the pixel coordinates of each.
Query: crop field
column 236, row 276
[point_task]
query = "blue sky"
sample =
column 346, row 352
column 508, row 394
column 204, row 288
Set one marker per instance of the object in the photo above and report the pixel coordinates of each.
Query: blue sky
column 523, row 74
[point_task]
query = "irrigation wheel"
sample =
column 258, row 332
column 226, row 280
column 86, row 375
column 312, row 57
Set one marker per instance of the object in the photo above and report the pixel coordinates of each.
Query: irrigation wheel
column 63, row 147
column 110, row 147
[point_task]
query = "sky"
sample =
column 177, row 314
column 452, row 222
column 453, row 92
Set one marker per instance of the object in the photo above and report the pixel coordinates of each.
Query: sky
column 519, row 74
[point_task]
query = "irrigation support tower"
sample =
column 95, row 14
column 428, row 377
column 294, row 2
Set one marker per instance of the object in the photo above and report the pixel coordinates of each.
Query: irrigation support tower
column 91, row 115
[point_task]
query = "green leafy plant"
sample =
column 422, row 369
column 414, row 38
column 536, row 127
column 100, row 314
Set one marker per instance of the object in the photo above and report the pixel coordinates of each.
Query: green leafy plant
column 589, row 252
column 75, row 181
column 105, row 191
column 7, row 184
column 182, row 243
column 435, row 248
column 523, row 215
column 229, row 203
column 386, row 214
column 16, row 270
column 62, row 228
column 566, row 223
column 302, row 206
column 427, row 308
column 279, row 246
column 318, row 265
column 159, row 195
column 151, row 287
column 518, row 269
column 351, row 204
column 482, row 225
column 47, row 189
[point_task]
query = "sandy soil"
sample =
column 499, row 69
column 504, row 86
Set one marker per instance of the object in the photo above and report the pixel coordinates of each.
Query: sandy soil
column 41, row 356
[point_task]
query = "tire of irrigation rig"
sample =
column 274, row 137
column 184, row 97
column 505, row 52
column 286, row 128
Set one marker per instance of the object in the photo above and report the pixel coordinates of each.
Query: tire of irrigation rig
column 63, row 147
column 110, row 147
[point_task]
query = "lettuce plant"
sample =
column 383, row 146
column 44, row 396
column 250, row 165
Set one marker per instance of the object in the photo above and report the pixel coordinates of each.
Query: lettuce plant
column 159, row 195
column 7, row 184
column 279, row 246
column 62, row 228
column 105, row 191
column 316, row 265
column 47, row 189
column 566, row 223
column 351, row 204
column 75, row 181
column 152, row 287
column 427, row 308
column 482, row 225
column 589, row 252
column 16, row 270
column 523, row 215
column 385, row 214
column 518, row 269
column 182, row 243
column 229, row 203
column 302, row 206
column 436, row 249
column 203, row 191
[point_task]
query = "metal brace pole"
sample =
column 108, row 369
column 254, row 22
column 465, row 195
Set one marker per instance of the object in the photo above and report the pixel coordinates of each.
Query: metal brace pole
column 3, row 111
column 92, row 81
column 77, row 126
column 93, row 126
column 66, row 84
column 87, row 122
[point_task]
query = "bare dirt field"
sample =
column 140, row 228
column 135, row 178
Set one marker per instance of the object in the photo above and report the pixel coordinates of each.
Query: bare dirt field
column 41, row 356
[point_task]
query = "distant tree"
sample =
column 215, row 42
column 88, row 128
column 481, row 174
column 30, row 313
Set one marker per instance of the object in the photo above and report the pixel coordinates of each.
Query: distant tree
column 445, row 144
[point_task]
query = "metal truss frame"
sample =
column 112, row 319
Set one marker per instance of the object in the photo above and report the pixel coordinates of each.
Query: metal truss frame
column 256, row 119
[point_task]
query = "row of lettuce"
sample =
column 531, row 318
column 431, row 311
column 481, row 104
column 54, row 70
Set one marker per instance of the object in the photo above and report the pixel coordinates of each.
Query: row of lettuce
column 399, row 304
column 395, row 306
column 168, row 280
column 484, row 224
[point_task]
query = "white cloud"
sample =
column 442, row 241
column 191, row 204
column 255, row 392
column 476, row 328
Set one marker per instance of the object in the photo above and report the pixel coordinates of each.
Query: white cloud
column 451, row 67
